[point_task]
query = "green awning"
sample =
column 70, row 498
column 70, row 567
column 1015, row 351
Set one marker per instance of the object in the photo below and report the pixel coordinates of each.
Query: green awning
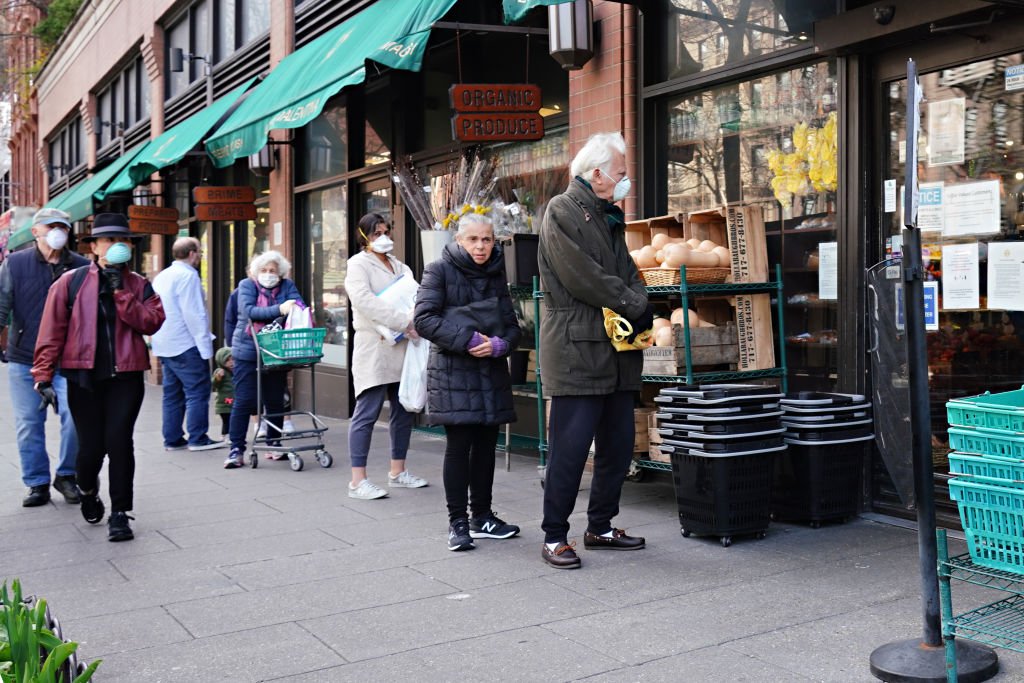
column 78, row 201
column 20, row 237
column 517, row 9
column 391, row 32
column 172, row 146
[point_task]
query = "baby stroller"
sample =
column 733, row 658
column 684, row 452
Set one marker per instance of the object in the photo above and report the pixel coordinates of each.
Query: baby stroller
column 282, row 351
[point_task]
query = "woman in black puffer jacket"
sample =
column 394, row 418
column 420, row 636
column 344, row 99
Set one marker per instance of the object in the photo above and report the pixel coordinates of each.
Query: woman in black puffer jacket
column 464, row 308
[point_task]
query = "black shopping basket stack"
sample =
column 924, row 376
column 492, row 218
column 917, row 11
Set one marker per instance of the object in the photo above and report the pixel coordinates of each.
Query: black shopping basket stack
column 722, row 440
column 987, row 433
column 818, row 478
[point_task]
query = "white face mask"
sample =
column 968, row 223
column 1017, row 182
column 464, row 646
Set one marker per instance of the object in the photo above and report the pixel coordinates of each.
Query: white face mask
column 56, row 238
column 621, row 189
column 268, row 280
column 382, row 245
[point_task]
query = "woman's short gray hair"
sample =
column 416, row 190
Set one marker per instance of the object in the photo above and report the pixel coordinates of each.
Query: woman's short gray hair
column 284, row 267
column 597, row 153
column 473, row 219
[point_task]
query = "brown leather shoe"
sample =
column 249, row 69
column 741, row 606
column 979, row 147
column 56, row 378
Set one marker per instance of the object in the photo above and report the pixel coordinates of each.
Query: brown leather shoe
column 562, row 557
column 619, row 540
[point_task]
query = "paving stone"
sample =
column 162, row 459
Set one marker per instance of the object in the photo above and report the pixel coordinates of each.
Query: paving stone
column 381, row 631
column 527, row 654
column 714, row 664
column 44, row 582
column 123, row 632
column 84, row 550
column 303, row 601
column 255, row 655
column 29, row 540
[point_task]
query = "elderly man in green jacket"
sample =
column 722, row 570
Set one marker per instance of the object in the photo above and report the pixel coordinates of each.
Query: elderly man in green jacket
column 584, row 267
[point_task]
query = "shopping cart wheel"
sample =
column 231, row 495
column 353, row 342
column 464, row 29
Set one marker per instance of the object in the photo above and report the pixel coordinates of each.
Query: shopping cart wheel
column 685, row 532
column 324, row 458
column 760, row 535
column 254, row 460
column 726, row 541
column 296, row 462
column 635, row 472
column 815, row 524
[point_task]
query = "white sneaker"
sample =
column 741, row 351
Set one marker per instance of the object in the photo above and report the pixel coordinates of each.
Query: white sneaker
column 405, row 480
column 366, row 490
column 262, row 433
column 288, row 427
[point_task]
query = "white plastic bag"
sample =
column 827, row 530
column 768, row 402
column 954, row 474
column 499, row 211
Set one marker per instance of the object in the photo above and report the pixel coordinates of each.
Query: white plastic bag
column 412, row 388
column 400, row 295
column 299, row 318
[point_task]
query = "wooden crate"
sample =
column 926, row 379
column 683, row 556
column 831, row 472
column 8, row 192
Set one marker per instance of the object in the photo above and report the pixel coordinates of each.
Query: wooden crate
column 708, row 346
column 653, row 436
column 641, row 418
column 654, row 454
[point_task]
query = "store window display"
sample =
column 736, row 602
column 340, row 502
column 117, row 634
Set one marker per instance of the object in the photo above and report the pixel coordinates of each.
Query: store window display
column 772, row 142
column 971, row 177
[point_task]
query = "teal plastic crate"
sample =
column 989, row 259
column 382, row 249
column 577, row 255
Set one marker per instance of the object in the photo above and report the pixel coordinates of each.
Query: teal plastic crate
column 1004, row 410
column 1009, row 469
column 986, row 442
column 292, row 347
column 993, row 520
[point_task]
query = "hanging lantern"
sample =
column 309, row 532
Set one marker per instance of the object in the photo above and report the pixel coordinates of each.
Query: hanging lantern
column 571, row 33
column 262, row 163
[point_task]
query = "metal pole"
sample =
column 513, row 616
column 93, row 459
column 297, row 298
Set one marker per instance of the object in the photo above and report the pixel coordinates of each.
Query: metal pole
column 209, row 80
column 921, row 427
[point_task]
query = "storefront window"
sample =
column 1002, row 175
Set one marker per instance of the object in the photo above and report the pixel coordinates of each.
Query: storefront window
column 324, row 149
column 771, row 142
column 325, row 221
column 703, row 35
column 971, row 215
column 531, row 173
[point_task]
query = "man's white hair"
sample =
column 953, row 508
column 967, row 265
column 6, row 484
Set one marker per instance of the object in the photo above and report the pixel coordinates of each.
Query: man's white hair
column 284, row 267
column 597, row 153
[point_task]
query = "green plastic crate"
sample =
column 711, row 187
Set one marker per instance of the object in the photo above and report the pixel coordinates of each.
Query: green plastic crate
column 1004, row 410
column 993, row 520
column 986, row 442
column 969, row 464
column 292, row 347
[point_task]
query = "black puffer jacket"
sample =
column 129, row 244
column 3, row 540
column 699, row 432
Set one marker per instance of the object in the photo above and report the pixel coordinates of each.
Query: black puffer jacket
column 463, row 389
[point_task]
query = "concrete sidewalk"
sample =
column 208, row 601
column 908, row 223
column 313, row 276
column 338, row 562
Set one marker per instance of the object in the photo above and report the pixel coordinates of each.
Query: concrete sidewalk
column 270, row 574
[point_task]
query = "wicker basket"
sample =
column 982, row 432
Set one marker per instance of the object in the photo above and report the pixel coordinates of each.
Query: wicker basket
column 667, row 277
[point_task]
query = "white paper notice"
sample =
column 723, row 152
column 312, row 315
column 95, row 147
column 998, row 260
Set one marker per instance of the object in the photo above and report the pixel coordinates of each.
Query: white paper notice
column 828, row 271
column 278, row 234
column 960, row 289
column 971, row 208
column 889, row 190
column 1006, row 275
column 946, row 131
column 930, row 208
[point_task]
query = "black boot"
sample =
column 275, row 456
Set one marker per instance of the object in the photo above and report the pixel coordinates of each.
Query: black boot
column 118, row 528
column 37, row 495
column 67, row 487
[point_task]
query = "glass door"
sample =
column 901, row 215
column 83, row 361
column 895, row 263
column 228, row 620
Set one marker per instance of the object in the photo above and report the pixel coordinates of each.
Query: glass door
column 971, row 174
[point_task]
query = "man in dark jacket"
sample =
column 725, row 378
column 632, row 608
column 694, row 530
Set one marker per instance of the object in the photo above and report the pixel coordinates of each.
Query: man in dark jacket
column 25, row 278
column 584, row 267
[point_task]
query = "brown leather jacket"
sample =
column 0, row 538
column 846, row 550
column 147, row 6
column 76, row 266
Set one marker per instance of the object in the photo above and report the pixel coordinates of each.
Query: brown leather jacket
column 68, row 338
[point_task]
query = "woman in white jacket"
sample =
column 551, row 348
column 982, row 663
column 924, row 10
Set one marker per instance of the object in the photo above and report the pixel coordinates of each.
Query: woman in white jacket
column 376, row 364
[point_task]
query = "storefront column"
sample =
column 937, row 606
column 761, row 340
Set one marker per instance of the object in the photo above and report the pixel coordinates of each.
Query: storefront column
column 602, row 95
column 282, row 178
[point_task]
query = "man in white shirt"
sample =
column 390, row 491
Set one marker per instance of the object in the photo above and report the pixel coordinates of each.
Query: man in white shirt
column 184, row 346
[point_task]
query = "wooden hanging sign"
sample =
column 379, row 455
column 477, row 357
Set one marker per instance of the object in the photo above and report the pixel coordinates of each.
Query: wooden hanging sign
column 151, row 227
column 153, row 213
column 497, row 127
column 210, row 194
column 225, row 212
column 495, row 97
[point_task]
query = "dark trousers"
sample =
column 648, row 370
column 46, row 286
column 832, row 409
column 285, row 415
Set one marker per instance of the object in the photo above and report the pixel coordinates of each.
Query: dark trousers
column 469, row 466
column 105, row 418
column 575, row 421
column 225, row 423
column 244, row 405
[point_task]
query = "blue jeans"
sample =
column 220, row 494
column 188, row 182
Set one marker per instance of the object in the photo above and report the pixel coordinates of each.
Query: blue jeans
column 360, row 429
column 30, row 425
column 186, row 396
column 244, row 405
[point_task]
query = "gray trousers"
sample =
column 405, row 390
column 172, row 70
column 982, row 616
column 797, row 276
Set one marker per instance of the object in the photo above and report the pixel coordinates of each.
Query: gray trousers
column 360, row 430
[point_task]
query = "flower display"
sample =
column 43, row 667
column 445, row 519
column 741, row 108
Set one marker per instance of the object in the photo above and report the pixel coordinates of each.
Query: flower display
column 813, row 163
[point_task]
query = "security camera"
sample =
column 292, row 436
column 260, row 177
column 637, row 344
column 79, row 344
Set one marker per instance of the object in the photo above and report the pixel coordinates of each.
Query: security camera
column 884, row 14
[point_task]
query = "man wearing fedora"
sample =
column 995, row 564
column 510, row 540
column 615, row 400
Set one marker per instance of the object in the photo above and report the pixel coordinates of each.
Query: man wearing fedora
column 25, row 278
column 92, row 329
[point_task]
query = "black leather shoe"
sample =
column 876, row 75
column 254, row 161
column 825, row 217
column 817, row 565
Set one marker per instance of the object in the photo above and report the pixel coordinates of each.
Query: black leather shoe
column 562, row 557
column 619, row 540
column 67, row 487
column 37, row 495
